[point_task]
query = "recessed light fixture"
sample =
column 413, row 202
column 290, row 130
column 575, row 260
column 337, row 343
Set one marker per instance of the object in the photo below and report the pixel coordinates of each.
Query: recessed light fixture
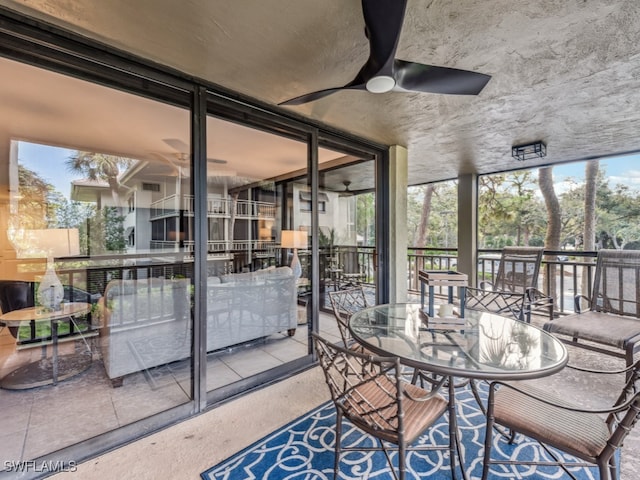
column 528, row 151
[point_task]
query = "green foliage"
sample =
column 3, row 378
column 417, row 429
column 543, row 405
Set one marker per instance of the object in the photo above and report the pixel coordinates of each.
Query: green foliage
column 442, row 228
column 366, row 218
column 510, row 211
column 112, row 230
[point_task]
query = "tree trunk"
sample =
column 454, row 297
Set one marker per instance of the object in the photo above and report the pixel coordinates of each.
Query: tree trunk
column 589, row 239
column 552, row 238
column 424, row 217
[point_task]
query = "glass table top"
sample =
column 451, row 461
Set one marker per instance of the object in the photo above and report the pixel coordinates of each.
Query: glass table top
column 481, row 345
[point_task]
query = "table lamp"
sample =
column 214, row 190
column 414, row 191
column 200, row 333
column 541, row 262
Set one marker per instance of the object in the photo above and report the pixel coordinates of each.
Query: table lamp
column 53, row 242
column 294, row 239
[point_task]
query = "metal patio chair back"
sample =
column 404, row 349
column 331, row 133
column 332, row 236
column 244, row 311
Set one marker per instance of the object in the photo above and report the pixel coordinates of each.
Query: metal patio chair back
column 344, row 304
column 518, row 274
column 613, row 318
column 616, row 286
column 518, row 269
column 501, row 303
column 590, row 435
column 371, row 393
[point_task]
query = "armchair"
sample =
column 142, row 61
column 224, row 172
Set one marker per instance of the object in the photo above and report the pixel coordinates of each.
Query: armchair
column 345, row 303
column 370, row 392
column 613, row 318
column 502, row 303
column 518, row 274
column 590, row 435
column 352, row 271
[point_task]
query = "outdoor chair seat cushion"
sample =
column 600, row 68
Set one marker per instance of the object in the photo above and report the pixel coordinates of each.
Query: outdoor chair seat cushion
column 584, row 435
column 372, row 399
column 601, row 327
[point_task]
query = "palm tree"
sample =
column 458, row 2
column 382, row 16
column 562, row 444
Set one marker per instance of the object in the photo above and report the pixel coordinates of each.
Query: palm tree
column 101, row 167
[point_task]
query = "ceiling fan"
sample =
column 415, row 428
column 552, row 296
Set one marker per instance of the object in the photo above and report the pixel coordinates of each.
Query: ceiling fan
column 177, row 161
column 346, row 192
column 383, row 72
column 181, row 157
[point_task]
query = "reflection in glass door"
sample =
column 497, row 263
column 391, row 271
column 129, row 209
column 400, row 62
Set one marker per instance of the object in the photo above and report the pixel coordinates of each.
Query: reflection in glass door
column 96, row 284
column 255, row 321
column 346, row 206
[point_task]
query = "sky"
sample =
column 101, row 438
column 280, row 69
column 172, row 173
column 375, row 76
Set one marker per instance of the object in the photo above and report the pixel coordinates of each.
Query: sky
column 623, row 170
column 49, row 163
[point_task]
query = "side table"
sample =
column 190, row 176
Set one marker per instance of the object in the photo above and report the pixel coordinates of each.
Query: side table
column 45, row 371
column 442, row 278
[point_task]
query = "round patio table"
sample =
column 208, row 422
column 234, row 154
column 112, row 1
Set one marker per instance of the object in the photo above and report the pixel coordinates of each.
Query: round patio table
column 481, row 345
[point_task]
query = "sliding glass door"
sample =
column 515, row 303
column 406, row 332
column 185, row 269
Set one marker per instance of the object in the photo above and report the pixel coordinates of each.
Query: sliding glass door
column 96, row 280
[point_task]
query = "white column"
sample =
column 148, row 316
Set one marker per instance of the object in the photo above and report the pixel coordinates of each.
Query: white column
column 468, row 226
column 397, row 228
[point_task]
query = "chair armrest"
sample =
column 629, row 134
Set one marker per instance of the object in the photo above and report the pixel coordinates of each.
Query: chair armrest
column 556, row 402
column 601, row 372
column 486, row 285
column 576, row 302
column 75, row 294
column 535, row 295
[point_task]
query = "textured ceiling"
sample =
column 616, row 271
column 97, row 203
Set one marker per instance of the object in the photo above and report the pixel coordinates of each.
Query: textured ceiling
column 563, row 71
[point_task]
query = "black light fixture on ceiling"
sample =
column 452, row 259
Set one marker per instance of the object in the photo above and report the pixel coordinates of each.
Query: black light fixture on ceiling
column 529, row 150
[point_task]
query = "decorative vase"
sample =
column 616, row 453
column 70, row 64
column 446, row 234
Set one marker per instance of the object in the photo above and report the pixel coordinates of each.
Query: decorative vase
column 296, row 267
column 50, row 291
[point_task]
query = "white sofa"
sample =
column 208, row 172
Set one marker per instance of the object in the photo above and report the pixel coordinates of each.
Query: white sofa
column 147, row 322
column 144, row 323
column 246, row 306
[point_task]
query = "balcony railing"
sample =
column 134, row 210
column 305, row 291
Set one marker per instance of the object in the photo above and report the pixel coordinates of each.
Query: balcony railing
column 216, row 207
column 566, row 269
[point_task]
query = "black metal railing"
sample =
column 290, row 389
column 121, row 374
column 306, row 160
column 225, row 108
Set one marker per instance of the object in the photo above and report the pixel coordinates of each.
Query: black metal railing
column 572, row 271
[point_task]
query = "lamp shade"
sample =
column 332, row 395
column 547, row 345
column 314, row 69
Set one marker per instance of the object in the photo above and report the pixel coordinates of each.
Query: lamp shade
column 51, row 243
column 293, row 239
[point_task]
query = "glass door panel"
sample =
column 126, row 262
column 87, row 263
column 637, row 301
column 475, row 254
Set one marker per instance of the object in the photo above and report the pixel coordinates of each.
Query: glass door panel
column 257, row 262
column 95, row 291
column 346, row 206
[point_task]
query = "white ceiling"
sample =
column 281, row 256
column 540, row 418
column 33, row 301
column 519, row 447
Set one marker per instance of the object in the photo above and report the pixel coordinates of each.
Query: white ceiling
column 51, row 109
column 563, row 71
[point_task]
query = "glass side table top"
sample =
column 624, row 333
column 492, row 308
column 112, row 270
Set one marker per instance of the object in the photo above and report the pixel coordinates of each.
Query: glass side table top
column 481, row 345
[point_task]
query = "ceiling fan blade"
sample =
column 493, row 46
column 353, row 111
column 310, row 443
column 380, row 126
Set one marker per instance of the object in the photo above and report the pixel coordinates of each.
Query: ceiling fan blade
column 309, row 97
column 178, row 169
column 382, row 72
column 418, row 77
column 383, row 22
column 177, row 144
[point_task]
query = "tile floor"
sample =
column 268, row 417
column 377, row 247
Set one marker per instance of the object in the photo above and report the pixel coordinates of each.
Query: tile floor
column 29, row 429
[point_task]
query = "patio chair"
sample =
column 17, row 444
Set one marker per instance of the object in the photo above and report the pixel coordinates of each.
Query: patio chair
column 344, row 304
column 15, row 295
column 590, row 435
column 352, row 273
column 613, row 318
column 518, row 273
column 370, row 392
column 501, row 303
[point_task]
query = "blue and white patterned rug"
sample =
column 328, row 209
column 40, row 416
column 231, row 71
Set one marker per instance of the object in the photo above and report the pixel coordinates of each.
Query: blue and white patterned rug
column 303, row 450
